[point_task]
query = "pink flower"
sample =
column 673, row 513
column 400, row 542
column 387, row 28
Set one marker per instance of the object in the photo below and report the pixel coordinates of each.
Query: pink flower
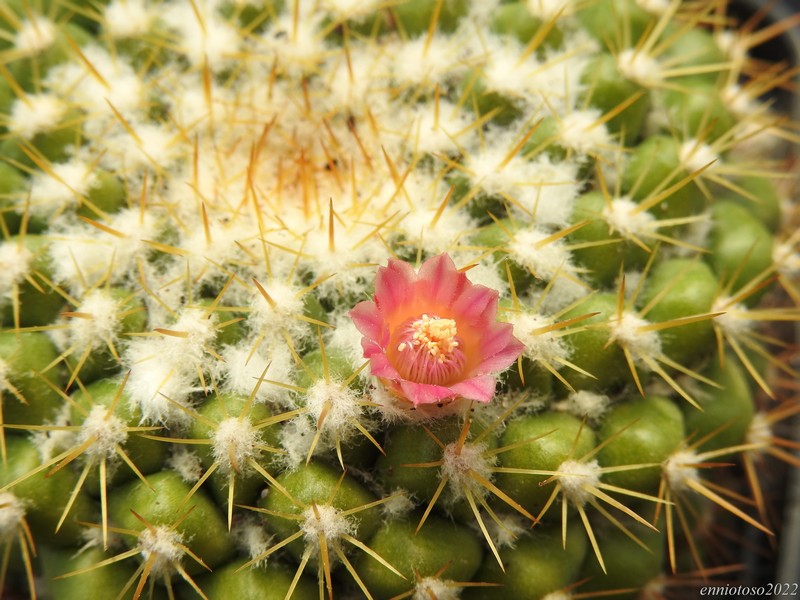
column 433, row 336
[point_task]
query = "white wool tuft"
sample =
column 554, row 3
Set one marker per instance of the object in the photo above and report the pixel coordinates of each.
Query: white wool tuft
column 12, row 512
column 55, row 441
column 398, row 505
column 14, row 266
column 735, row 320
column 550, row 9
column 584, row 403
column 577, row 478
column 679, row 470
column 623, row 217
column 582, row 131
column 64, row 188
column 166, row 367
column 107, row 431
column 429, row 587
column 185, row 463
column 38, row 113
column 252, row 538
column 546, row 262
column 627, row 331
column 35, row 35
column 243, row 371
column 234, row 444
column 695, row 155
column 759, row 433
column 341, row 407
column 163, row 545
column 324, row 521
column 639, row 67
column 128, row 18
column 459, row 462
column 102, row 325
column 547, row 346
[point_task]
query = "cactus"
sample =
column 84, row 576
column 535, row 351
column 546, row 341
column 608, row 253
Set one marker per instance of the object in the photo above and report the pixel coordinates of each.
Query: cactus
column 407, row 299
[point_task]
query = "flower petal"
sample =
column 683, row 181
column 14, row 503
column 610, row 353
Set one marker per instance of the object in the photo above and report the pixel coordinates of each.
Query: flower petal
column 394, row 286
column 500, row 348
column 379, row 364
column 369, row 322
column 440, row 283
column 476, row 305
column 480, row 388
column 425, row 393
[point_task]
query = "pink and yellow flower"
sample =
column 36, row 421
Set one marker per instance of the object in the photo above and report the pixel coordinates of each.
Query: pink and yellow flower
column 433, row 336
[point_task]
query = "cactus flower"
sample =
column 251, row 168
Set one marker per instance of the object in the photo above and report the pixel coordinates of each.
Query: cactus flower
column 432, row 336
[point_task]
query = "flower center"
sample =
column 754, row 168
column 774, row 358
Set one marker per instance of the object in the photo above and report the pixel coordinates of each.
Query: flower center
column 429, row 350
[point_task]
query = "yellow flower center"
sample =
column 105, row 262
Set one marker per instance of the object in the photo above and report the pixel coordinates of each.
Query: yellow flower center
column 428, row 350
column 437, row 336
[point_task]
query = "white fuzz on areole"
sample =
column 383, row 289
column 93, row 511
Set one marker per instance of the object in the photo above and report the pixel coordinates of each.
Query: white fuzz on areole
column 12, row 511
column 5, row 383
column 458, row 462
column 786, row 259
column 506, row 531
column 128, row 18
column 546, row 262
column 679, row 470
column 252, row 538
column 35, row 35
column 80, row 87
column 430, row 587
column 61, row 188
column 273, row 318
column 733, row 44
column 639, row 67
column 585, row 403
column 296, row 437
column 627, row 332
column 695, row 155
column 102, row 325
column 656, row 7
column 54, row 441
column 577, row 478
column 338, row 403
column 234, row 443
column 398, row 505
column 546, row 346
column 186, row 463
column 37, row 114
column 759, row 433
column 161, row 543
column 15, row 262
column 623, row 218
column 323, row 520
column 205, row 41
column 734, row 320
column 582, row 131
column 107, row 431
column 550, row 9
column 558, row 595
column 166, row 367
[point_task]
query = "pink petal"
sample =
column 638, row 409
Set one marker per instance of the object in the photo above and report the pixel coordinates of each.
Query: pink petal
column 480, row 388
column 394, row 285
column 499, row 348
column 425, row 393
column 440, row 281
column 379, row 364
column 369, row 321
column 476, row 304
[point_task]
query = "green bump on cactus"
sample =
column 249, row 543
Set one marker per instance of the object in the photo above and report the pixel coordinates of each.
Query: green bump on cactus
column 389, row 298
